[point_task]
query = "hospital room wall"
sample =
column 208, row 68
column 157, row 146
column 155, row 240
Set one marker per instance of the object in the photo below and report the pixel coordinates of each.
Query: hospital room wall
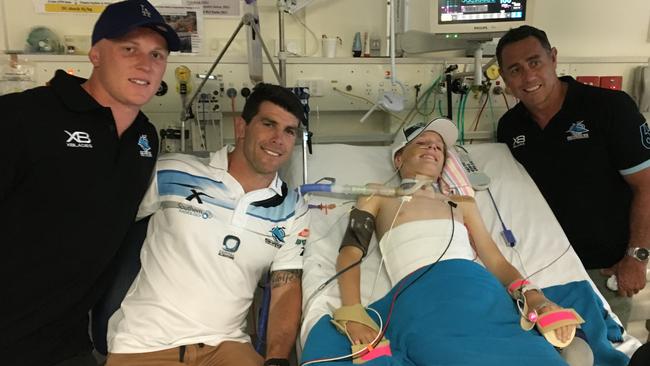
column 584, row 28
column 588, row 44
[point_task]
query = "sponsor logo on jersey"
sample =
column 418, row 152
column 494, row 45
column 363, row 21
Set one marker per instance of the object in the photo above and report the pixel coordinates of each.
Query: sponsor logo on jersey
column 273, row 243
column 304, row 233
column 229, row 246
column 193, row 211
column 518, row 141
column 78, row 139
column 301, row 242
column 145, row 148
column 577, row 131
column 645, row 135
column 196, row 194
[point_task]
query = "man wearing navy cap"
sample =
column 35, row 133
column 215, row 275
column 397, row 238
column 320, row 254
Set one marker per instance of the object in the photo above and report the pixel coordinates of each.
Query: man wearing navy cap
column 76, row 162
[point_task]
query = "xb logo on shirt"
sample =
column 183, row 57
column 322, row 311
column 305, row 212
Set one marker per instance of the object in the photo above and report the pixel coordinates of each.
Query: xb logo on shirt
column 78, row 139
column 519, row 141
column 645, row 135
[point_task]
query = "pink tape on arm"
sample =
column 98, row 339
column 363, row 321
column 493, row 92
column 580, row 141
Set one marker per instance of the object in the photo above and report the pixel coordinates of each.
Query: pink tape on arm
column 377, row 352
column 555, row 317
column 516, row 284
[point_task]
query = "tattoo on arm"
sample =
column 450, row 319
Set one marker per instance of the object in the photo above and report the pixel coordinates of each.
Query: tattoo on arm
column 281, row 278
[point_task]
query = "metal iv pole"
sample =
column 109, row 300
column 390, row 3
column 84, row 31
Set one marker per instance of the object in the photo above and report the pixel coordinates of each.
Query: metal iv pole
column 249, row 20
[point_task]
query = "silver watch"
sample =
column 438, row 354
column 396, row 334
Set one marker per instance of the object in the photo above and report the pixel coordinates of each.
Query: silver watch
column 639, row 253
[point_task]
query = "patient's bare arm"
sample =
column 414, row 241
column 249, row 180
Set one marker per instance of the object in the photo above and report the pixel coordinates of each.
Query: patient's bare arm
column 349, row 285
column 496, row 263
column 350, row 280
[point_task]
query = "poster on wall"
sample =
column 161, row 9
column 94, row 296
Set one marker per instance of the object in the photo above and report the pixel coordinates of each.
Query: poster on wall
column 211, row 8
column 70, row 6
column 218, row 8
column 187, row 21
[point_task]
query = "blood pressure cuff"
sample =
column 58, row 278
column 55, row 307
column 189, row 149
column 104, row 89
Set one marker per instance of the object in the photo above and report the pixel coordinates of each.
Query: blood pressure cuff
column 359, row 231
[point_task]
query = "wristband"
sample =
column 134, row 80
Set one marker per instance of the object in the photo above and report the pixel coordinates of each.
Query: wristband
column 276, row 362
column 520, row 287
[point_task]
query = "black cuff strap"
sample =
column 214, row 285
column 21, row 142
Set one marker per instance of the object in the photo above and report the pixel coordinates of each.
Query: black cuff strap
column 276, row 362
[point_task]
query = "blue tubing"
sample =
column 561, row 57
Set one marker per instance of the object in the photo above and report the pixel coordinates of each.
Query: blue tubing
column 313, row 187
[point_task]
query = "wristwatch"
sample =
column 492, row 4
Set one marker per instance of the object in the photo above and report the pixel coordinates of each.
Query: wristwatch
column 639, row 253
column 276, row 362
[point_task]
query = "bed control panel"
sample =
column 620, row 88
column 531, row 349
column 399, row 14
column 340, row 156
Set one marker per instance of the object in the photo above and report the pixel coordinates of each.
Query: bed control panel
column 479, row 180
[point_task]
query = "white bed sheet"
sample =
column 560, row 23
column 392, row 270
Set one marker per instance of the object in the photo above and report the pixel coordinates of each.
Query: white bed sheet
column 540, row 239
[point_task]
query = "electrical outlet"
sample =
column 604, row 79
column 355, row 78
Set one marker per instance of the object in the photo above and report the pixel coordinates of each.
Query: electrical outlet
column 316, row 86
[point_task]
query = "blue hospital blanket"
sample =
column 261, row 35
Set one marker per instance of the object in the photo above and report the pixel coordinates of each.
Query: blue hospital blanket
column 458, row 313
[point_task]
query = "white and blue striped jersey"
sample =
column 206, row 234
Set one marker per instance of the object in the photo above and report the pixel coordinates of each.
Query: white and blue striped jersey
column 208, row 244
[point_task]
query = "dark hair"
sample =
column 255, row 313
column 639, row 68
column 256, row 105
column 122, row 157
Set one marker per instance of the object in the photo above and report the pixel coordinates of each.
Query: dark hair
column 520, row 33
column 275, row 94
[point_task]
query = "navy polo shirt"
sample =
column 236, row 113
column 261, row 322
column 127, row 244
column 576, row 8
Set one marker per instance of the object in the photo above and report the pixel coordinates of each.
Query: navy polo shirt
column 69, row 190
column 578, row 160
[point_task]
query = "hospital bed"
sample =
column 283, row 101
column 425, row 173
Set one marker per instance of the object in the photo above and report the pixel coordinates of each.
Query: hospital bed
column 540, row 241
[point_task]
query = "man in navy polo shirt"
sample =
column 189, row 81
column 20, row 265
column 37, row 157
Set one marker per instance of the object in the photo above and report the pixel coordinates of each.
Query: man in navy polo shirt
column 76, row 161
column 588, row 151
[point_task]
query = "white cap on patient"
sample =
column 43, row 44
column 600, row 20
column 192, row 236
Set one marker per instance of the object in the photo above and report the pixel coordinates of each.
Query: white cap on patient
column 444, row 127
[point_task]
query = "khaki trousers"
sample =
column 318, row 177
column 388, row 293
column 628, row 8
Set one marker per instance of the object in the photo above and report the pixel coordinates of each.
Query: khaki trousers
column 225, row 354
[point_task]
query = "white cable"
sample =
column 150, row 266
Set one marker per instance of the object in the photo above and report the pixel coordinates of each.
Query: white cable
column 365, row 116
column 388, row 234
column 351, row 355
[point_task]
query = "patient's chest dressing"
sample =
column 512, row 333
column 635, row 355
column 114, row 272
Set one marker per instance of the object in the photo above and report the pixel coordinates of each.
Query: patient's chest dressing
column 416, row 244
column 423, row 205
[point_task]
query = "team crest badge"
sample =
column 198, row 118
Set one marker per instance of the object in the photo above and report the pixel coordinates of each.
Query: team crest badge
column 145, row 148
column 278, row 233
column 577, row 131
column 645, row 135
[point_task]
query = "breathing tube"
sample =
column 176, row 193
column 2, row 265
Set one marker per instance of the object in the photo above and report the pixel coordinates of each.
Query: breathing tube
column 404, row 189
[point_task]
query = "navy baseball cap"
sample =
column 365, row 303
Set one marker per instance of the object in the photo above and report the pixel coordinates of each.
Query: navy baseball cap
column 122, row 17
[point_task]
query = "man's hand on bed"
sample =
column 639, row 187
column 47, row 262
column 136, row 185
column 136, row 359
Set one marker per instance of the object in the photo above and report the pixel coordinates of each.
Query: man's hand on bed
column 630, row 275
column 359, row 333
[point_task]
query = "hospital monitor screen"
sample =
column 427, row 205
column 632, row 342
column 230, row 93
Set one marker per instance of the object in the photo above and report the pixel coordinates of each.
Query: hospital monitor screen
column 477, row 18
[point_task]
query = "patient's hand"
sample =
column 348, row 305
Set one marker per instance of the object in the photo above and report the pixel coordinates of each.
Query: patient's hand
column 562, row 333
column 359, row 333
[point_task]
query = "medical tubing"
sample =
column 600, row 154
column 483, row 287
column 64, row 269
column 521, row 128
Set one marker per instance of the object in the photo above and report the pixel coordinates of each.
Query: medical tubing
column 338, row 274
column 348, row 189
column 494, row 120
column 503, row 225
column 459, row 122
column 461, row 119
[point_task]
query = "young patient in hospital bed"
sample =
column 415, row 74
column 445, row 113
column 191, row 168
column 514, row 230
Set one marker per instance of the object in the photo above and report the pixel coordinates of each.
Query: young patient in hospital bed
column 443, row 308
